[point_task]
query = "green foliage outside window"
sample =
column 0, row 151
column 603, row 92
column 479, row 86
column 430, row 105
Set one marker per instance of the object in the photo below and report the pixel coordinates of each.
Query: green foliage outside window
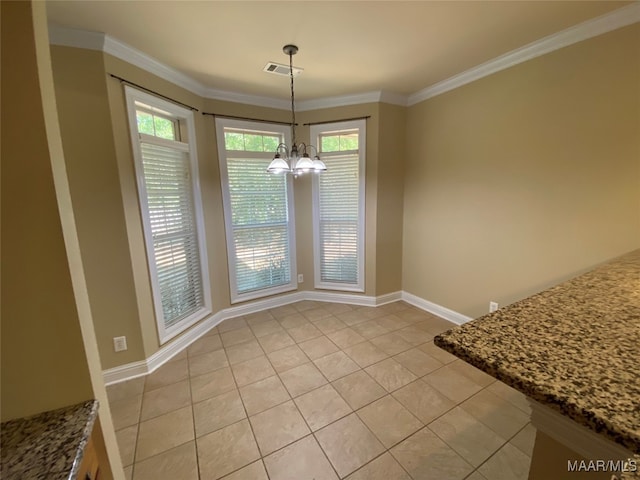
column 145, row 123
column 251, row 142
column 164, row 127
column 339, row 142
column 234, row 141
column 154, row 125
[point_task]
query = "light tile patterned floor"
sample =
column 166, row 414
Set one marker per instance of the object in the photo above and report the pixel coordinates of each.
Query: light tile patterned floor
column 322, row 391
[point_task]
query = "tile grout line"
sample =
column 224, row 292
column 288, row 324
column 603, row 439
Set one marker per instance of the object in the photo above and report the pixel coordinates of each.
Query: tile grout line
column 135, row 445
column 502, row 445
column 253, row 433
column 352, row 410
column 193, row 418
column 330, row 383
column 224, row 349
column 311, row 432
column 292, row 398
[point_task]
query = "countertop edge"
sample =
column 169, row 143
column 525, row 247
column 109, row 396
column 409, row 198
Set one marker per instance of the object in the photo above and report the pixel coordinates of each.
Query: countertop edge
column 49, row 445
column 84, row 439
column 572, row 347
column 561, row 405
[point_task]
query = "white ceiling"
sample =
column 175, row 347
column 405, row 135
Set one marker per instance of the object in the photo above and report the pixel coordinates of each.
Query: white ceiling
column 346, row 47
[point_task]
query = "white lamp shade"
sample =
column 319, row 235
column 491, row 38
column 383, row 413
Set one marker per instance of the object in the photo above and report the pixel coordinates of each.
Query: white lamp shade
column 318, row 165
column 278, row 165
column 304, row 164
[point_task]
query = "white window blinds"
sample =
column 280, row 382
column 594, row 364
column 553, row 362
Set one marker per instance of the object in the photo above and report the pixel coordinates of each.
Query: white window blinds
column 260, row 224
column 172, row 223
column 164, row 150
column 258, row 211
column 338, row 220
column 339, row 208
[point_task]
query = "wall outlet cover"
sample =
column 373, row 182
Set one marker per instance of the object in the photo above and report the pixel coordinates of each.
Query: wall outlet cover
column 119, row 344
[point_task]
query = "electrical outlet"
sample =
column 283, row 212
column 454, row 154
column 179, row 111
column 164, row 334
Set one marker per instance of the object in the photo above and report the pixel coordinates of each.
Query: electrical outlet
column 493, row 306
column 119, row 344
column 300, row 278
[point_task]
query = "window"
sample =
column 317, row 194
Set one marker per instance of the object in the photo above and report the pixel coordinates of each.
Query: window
column 258, row 210
column 338, row 206
column 154, row 124
column 164, row 150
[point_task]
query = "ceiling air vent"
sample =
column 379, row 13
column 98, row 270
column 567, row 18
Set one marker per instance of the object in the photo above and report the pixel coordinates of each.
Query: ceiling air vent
column 280, row 69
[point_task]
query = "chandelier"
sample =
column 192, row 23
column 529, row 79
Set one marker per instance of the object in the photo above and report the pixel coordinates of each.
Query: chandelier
column 294, row 160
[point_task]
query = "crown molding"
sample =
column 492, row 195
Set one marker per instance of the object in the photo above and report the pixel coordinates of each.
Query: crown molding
column 394, row 98
column 619, row 18
column 140, row 59
column 71, row 37
column 255, row 100
column 357, row 99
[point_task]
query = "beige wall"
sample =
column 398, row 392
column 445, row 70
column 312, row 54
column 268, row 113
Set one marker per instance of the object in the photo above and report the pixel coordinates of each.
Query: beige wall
column 391, row 165
column 385, row 129
column 210, row 175
column 132, row 234
column 505, row 191
column 49, row 349
column 102, row 179
column 43, row 359
column 85, row 124
column 526, row 177
column 304, row 213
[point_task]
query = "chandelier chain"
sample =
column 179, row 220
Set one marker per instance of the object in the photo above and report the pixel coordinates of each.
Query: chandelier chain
column 293, row 108
column 287, row 160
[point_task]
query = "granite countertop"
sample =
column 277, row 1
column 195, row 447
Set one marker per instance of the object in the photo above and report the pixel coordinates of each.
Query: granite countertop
column 574, row 348
column 49, row 445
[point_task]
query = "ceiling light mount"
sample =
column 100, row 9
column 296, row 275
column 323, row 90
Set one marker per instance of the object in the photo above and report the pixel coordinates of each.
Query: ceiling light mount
column 288, row 160
column 290, row 50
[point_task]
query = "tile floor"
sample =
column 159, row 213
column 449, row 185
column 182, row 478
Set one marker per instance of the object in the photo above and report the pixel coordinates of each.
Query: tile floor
column 321, row 391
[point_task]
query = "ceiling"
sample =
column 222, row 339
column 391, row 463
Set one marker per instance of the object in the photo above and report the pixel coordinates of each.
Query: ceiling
column 346, row 47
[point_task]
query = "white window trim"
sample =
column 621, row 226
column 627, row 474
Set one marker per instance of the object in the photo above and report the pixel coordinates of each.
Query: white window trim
column 316, row 131
column 132, row 95
column 236, row 297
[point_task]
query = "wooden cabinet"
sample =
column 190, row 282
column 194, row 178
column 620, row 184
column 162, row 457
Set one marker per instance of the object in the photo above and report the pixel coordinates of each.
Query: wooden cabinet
column 89, row 468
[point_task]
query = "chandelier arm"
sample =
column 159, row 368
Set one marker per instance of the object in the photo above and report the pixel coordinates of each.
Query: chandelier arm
column 282, row 147
column 312, row 146
column 293, row 162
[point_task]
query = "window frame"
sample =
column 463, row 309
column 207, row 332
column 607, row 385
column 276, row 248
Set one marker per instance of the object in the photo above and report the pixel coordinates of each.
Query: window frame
column 315, row 134
column 185, row 125
column 221, row 124
column 150, row 110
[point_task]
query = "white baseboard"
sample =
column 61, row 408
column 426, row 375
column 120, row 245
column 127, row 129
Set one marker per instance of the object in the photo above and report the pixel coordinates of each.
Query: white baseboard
column 163, row 355
column 333, row 297
column 168, row 351
column 388, row 298
column 262, row 304
column 124, row 372
column 436, row 309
